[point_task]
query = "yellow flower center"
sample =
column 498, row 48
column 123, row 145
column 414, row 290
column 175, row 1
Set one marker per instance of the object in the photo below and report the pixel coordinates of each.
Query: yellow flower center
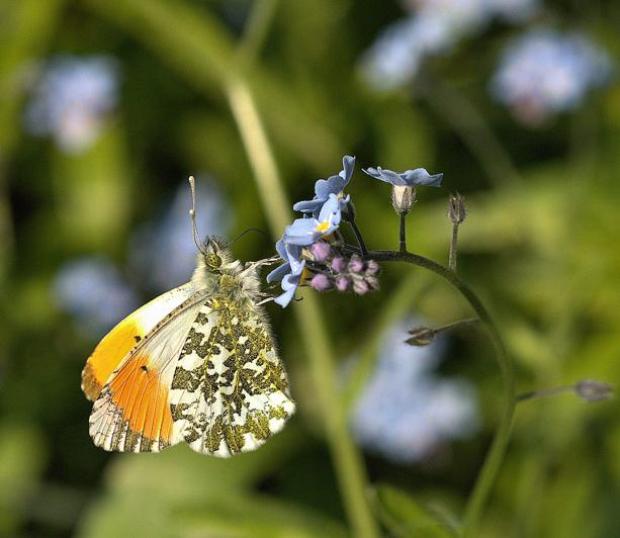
column 322, row 226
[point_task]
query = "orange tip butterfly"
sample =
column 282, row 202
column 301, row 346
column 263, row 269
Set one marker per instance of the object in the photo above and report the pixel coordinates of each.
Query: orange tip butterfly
column 197, row 365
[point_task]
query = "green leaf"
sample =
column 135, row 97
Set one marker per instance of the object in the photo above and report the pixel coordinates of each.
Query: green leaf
column 405, row 517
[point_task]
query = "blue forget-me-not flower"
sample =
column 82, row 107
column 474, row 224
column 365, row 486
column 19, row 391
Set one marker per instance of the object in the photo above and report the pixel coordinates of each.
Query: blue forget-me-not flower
column 404, row 184
column 311, row 254
column 409, row 178
column 304, row 232
column 323, row 188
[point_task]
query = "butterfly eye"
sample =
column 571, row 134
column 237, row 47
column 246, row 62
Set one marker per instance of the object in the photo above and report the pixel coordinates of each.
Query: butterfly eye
column 212, row 260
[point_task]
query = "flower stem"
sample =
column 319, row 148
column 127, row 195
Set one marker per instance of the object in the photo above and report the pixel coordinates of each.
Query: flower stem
column 359, row 238
column 490, row 468
column 402, row 243
column 453, row 247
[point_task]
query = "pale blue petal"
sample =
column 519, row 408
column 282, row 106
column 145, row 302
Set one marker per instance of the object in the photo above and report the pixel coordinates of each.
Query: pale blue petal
column 420, row 176
column 278, row 273
column 308, row 206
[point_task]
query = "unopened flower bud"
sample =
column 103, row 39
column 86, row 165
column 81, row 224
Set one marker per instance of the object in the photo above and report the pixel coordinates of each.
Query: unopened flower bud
column 594, row 391
column 356, row 264
column 456, row 209
column 421, row 336
column 342, row 283
column 403, row 197
column 338, row 264
column 360, row 286
column 372, row 267
column 320, row 282
column 372, row 282
column 320, row 251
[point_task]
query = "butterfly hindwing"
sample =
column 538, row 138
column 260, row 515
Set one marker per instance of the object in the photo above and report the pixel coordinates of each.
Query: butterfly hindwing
column 132, row 411
column 125, row 336
column 229, row 390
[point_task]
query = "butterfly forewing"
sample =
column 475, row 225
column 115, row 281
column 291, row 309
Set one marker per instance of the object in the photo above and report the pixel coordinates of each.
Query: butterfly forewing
column 132, row 412
column 229, row 390
column 126, row 335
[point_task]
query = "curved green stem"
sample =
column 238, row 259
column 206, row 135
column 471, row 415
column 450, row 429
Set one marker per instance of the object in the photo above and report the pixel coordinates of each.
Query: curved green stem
column 496, row 453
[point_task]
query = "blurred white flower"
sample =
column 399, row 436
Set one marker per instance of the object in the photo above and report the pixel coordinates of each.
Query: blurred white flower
column 406, row 410
column 71, row 100
column 93, row 291
column 433, row 27
column 163, row 251
column 544, row 72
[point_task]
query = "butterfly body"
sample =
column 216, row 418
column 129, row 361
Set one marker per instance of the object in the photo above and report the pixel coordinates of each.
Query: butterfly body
column 206, row 372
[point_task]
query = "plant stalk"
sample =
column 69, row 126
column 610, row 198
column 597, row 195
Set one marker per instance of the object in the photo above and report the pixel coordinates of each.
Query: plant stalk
column 348, row 463
column 493, row 460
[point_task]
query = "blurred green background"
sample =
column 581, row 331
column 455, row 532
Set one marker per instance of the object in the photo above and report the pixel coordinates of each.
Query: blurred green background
column 107, row 107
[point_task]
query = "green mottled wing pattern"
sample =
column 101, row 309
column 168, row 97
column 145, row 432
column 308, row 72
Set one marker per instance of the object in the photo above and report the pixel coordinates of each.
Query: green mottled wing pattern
column 229, row 391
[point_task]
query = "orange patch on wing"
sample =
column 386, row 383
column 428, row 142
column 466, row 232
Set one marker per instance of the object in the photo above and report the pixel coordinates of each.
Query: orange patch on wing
column 108, row 355
column 138, row 392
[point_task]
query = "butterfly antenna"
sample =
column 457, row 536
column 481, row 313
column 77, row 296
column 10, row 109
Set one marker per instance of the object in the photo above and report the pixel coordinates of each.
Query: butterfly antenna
column 192, row 215
column 257, row 230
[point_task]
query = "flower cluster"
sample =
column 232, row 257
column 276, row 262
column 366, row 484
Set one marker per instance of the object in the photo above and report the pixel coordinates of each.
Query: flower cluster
column 545, row 72
column 311, row 247
column 340, row 273
column 322, row 217
column 72, row 99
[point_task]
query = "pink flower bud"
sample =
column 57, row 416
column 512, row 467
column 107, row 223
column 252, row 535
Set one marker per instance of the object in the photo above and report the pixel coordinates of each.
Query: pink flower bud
column 338, row 264
column 320, row 282
column 320, row 251
column 372, row 267
column 356, row 265
column 360, row 287
column 342, row 283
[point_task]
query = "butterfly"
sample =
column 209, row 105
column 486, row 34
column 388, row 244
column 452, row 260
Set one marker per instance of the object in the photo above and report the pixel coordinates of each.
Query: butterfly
column 197, row 365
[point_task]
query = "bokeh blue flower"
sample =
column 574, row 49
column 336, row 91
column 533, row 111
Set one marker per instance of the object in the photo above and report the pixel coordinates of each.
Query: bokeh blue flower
column 545, row 72
column 72, row 99
column 163, row 250
column 432, row 27
column 406, row 410
column 323, row 188
column 95, row 293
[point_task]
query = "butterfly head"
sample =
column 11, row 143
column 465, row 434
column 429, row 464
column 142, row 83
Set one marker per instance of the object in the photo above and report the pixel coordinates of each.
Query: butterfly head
column 216, row 257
